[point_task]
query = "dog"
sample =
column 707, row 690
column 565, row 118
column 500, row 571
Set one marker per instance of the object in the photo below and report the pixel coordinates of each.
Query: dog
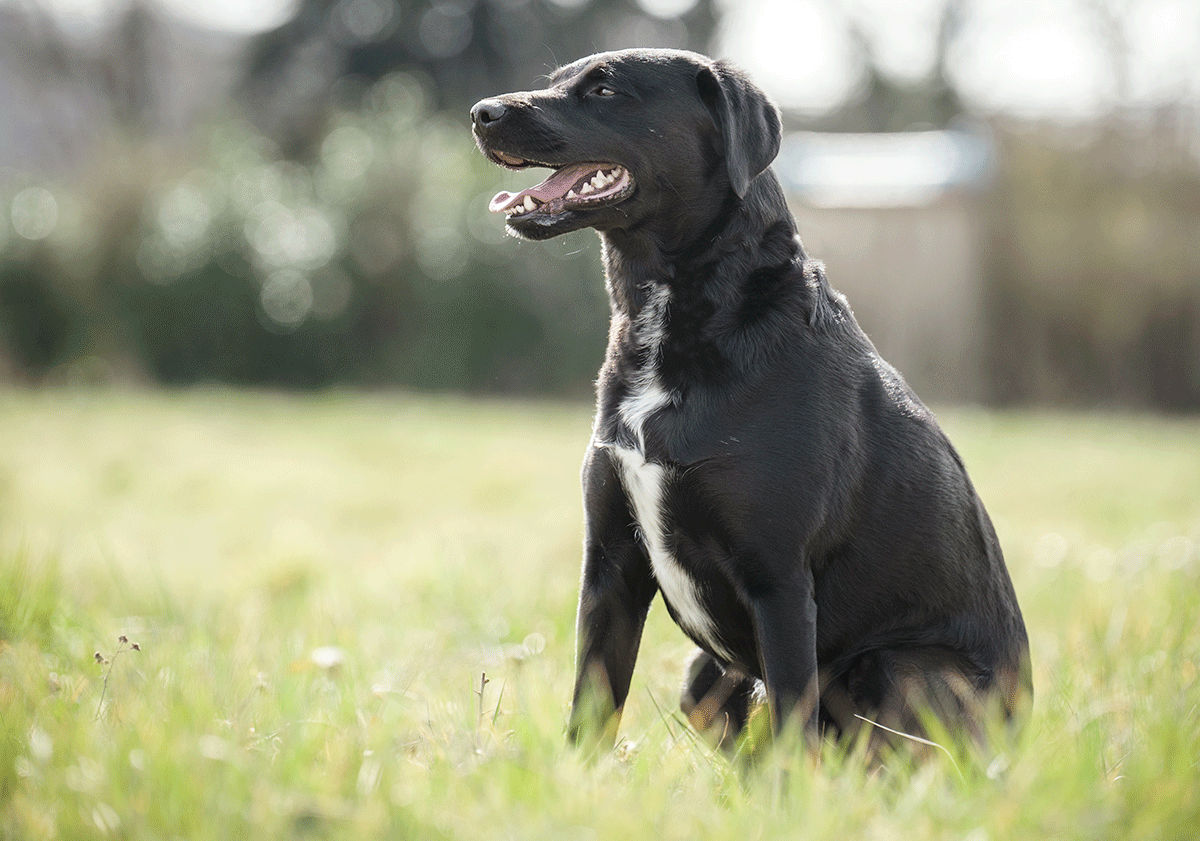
column 753, row 458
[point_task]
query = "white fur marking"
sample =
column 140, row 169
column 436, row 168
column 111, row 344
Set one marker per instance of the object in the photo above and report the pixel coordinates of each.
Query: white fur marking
column 644, row 480
column 643, row 483
column 646, row 394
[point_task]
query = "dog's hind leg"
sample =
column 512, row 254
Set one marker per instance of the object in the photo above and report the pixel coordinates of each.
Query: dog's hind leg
column 716, row 699
column 908, row 691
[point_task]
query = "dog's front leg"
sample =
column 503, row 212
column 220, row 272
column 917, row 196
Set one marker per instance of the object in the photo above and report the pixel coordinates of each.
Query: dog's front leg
column 614, row 597
column 785, row 626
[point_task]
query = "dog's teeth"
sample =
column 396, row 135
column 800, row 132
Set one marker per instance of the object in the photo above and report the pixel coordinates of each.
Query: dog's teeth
column 611, row 177
column 571, row 194
column 586, row 188
column 529, row 205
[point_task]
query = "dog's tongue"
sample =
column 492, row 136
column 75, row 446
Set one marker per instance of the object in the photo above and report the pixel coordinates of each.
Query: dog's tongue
column 554, row 187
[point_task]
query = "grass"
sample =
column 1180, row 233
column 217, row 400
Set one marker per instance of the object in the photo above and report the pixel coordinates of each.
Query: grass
column 318, row 586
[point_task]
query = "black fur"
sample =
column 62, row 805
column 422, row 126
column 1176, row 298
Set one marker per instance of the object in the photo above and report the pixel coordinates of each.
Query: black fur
column 828, row 523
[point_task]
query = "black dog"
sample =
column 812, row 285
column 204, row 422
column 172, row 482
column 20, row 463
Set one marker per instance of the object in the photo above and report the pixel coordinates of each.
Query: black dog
column 753, row 458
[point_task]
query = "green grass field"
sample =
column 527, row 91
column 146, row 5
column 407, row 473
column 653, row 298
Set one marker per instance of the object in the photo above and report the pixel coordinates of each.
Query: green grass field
column 317, row 586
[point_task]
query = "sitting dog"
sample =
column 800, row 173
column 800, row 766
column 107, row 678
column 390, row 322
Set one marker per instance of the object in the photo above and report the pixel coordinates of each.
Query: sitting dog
column 753, row 459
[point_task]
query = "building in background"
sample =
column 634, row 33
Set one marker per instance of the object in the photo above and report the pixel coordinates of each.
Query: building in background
column 897, row 219
column 286, row 192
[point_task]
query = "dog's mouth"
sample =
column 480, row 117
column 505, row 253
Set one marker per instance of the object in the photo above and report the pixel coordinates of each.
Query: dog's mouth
column 578, row 186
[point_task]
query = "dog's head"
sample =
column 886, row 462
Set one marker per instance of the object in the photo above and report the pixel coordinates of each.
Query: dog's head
column 634, row 137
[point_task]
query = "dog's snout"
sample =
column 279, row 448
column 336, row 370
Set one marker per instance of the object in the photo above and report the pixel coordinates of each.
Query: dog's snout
column 488, row 111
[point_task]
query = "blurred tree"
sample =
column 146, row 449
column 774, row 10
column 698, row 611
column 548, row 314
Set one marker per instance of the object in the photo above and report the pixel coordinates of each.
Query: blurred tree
column 467, row 50
column 347, row 239
column 36, row 321
column 886, row 103
column 128, row 70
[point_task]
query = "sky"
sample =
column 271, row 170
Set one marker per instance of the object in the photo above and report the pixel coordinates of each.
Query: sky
column 245, row 16
column 1035, row 58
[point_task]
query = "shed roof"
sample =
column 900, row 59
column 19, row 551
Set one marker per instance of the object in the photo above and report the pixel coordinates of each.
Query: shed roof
column 899, row 169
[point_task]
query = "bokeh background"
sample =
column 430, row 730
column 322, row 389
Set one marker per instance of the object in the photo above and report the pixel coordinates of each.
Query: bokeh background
column 285, row 193
column 250, row 294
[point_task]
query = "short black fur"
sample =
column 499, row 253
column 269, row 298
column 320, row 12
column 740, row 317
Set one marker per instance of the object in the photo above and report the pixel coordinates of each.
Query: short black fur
column 827, row 524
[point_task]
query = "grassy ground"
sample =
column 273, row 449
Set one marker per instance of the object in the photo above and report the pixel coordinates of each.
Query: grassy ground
column 318, row 585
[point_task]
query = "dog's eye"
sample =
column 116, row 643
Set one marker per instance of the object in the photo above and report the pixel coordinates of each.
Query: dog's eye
column 603, row 90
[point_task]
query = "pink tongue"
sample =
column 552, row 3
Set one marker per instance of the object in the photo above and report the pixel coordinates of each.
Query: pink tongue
column 554, row 187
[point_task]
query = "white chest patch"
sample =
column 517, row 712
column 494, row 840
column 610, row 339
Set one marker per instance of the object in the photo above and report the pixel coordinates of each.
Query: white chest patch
column 646, row 394
column 644, row 481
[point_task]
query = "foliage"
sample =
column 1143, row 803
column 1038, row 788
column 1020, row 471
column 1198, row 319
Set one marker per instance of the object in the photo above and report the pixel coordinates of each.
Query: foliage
column 318, row 584
column 1094, row 288
column 373, row 261
column 467, row 50
column 330, row 228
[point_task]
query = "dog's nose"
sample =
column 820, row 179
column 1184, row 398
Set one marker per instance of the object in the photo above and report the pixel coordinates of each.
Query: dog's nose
column 488, row 111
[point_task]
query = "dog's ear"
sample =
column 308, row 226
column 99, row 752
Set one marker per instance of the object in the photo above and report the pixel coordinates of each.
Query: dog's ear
column 746, row 120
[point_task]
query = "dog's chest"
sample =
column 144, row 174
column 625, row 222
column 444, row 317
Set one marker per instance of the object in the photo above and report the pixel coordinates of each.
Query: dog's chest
column 646, row 482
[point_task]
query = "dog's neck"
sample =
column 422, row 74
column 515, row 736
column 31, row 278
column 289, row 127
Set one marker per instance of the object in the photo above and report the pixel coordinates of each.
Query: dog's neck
column 710, row 258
